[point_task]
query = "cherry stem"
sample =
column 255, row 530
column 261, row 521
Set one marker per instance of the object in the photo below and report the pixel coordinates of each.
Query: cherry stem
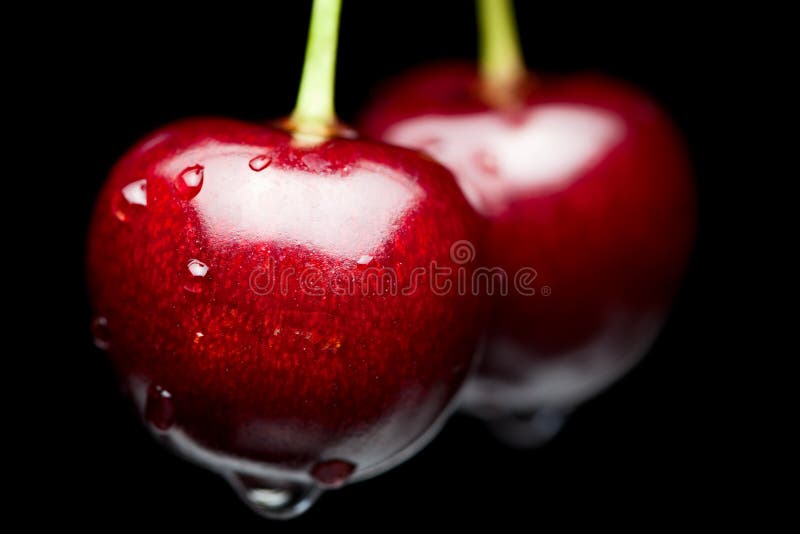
column 314, row 112
column 502, row 66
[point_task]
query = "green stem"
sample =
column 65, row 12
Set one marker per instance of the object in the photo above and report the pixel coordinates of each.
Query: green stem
column 314, row 112
column 501, row 63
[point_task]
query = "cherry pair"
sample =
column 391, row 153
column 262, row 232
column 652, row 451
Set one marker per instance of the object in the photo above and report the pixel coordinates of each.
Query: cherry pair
column 297, row 307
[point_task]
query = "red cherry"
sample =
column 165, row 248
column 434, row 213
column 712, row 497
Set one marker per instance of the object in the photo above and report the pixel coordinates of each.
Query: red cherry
column 236, row 313
column 582, row 179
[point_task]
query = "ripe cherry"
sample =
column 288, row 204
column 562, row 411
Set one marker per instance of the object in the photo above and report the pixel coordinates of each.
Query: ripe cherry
column 253, row 287
column 587, row 189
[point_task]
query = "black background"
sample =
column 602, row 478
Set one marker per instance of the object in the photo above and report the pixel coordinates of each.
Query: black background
column 643, row 447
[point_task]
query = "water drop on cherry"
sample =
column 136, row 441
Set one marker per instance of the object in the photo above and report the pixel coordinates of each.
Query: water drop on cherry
column 189, row 182
column 159, row 409
column 274, row 499
column 197, row 271
column 261, row 162
column 365, row 261
column 129, row 200
column 332, row 473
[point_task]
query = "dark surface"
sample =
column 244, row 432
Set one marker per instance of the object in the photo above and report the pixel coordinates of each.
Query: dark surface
column 644, row 446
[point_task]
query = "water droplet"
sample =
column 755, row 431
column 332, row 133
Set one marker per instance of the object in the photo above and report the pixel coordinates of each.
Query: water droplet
column 486, row 162
column 332, row 473
column 259, row 163
column 100, row 332
column 198, row 336
column 197, row 272
column 159, row 409
column 197, row 267
column 130, row 198
column 365, row 261
column 189, row 182
column 274, row 499
column 270, row 498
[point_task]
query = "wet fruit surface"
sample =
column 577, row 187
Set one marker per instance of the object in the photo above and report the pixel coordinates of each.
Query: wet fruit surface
column 228, row 271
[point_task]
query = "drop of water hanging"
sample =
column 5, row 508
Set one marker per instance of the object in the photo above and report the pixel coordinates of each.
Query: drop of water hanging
column 274, row 500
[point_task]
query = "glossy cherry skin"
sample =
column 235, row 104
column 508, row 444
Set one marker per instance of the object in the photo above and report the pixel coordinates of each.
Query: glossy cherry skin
column 587, row 182
column 228, row 265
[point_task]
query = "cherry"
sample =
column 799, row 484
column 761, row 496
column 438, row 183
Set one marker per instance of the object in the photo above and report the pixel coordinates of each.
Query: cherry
column 587, row 189
column 258, row 289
